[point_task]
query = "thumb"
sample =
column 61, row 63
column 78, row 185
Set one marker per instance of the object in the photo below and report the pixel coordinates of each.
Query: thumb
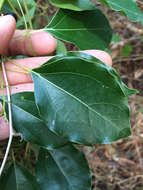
column 7, row 28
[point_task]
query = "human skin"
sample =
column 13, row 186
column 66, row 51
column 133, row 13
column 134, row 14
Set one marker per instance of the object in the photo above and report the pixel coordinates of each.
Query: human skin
column 9, row 45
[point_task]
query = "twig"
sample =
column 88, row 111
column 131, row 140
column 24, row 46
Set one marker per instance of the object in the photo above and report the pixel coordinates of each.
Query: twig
column 26, row 27
column 130, row 179
column 27, row 13
column 14, row 9
column 11, row 132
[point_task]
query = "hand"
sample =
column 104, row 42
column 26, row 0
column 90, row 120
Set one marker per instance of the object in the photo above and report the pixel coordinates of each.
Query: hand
column 42, row 44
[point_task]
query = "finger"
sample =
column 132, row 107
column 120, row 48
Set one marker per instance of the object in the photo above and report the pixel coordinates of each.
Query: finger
column 18, row 88
column 7, row 28
column 4, row 128
column 32, row 43
column 101, row 55
column 19, row 77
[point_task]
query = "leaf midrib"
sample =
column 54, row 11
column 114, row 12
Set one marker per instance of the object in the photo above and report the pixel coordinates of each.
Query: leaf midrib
column 60, row 169
column 104, row 118
column 83, row 75
column 52, row 62
column 77, row 29
column 28, row 113
column 89, row 61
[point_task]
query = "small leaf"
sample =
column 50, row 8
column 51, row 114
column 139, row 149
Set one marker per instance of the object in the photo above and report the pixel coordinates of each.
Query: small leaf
column 73, row 26
column 18, row 178
column 27, row 121
column 82, row 99
column 126, row 51
column 61, row 48
column 63, row 169
column 77, row 5
column 128, row 7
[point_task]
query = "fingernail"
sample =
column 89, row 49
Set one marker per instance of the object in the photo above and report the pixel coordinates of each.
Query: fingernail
column 12, row 14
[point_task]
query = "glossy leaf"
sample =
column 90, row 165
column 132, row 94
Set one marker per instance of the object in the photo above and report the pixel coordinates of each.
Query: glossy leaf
column 86, row 29
column 18, row 178
column 77, row 5
column 27, row 121
column 63, row 169
column 82, row 99
column 129, row 7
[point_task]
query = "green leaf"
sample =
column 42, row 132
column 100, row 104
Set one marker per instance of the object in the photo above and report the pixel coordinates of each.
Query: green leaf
column 82, row 99
column 103, row 2
column 116, row 38
column 63, row 169
column 20, row 22
column 27, row 121
column 86, row 29
column 61, row 48
column 129, row 7
column 77, row 5
column 126, row 51
column 18, row 178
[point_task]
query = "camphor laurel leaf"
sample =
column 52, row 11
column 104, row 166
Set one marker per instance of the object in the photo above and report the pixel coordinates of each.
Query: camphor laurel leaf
column 82, row 99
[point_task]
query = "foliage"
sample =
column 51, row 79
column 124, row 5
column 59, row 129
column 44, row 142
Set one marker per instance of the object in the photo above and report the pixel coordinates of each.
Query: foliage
column 78, row 100
column 126, row 51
